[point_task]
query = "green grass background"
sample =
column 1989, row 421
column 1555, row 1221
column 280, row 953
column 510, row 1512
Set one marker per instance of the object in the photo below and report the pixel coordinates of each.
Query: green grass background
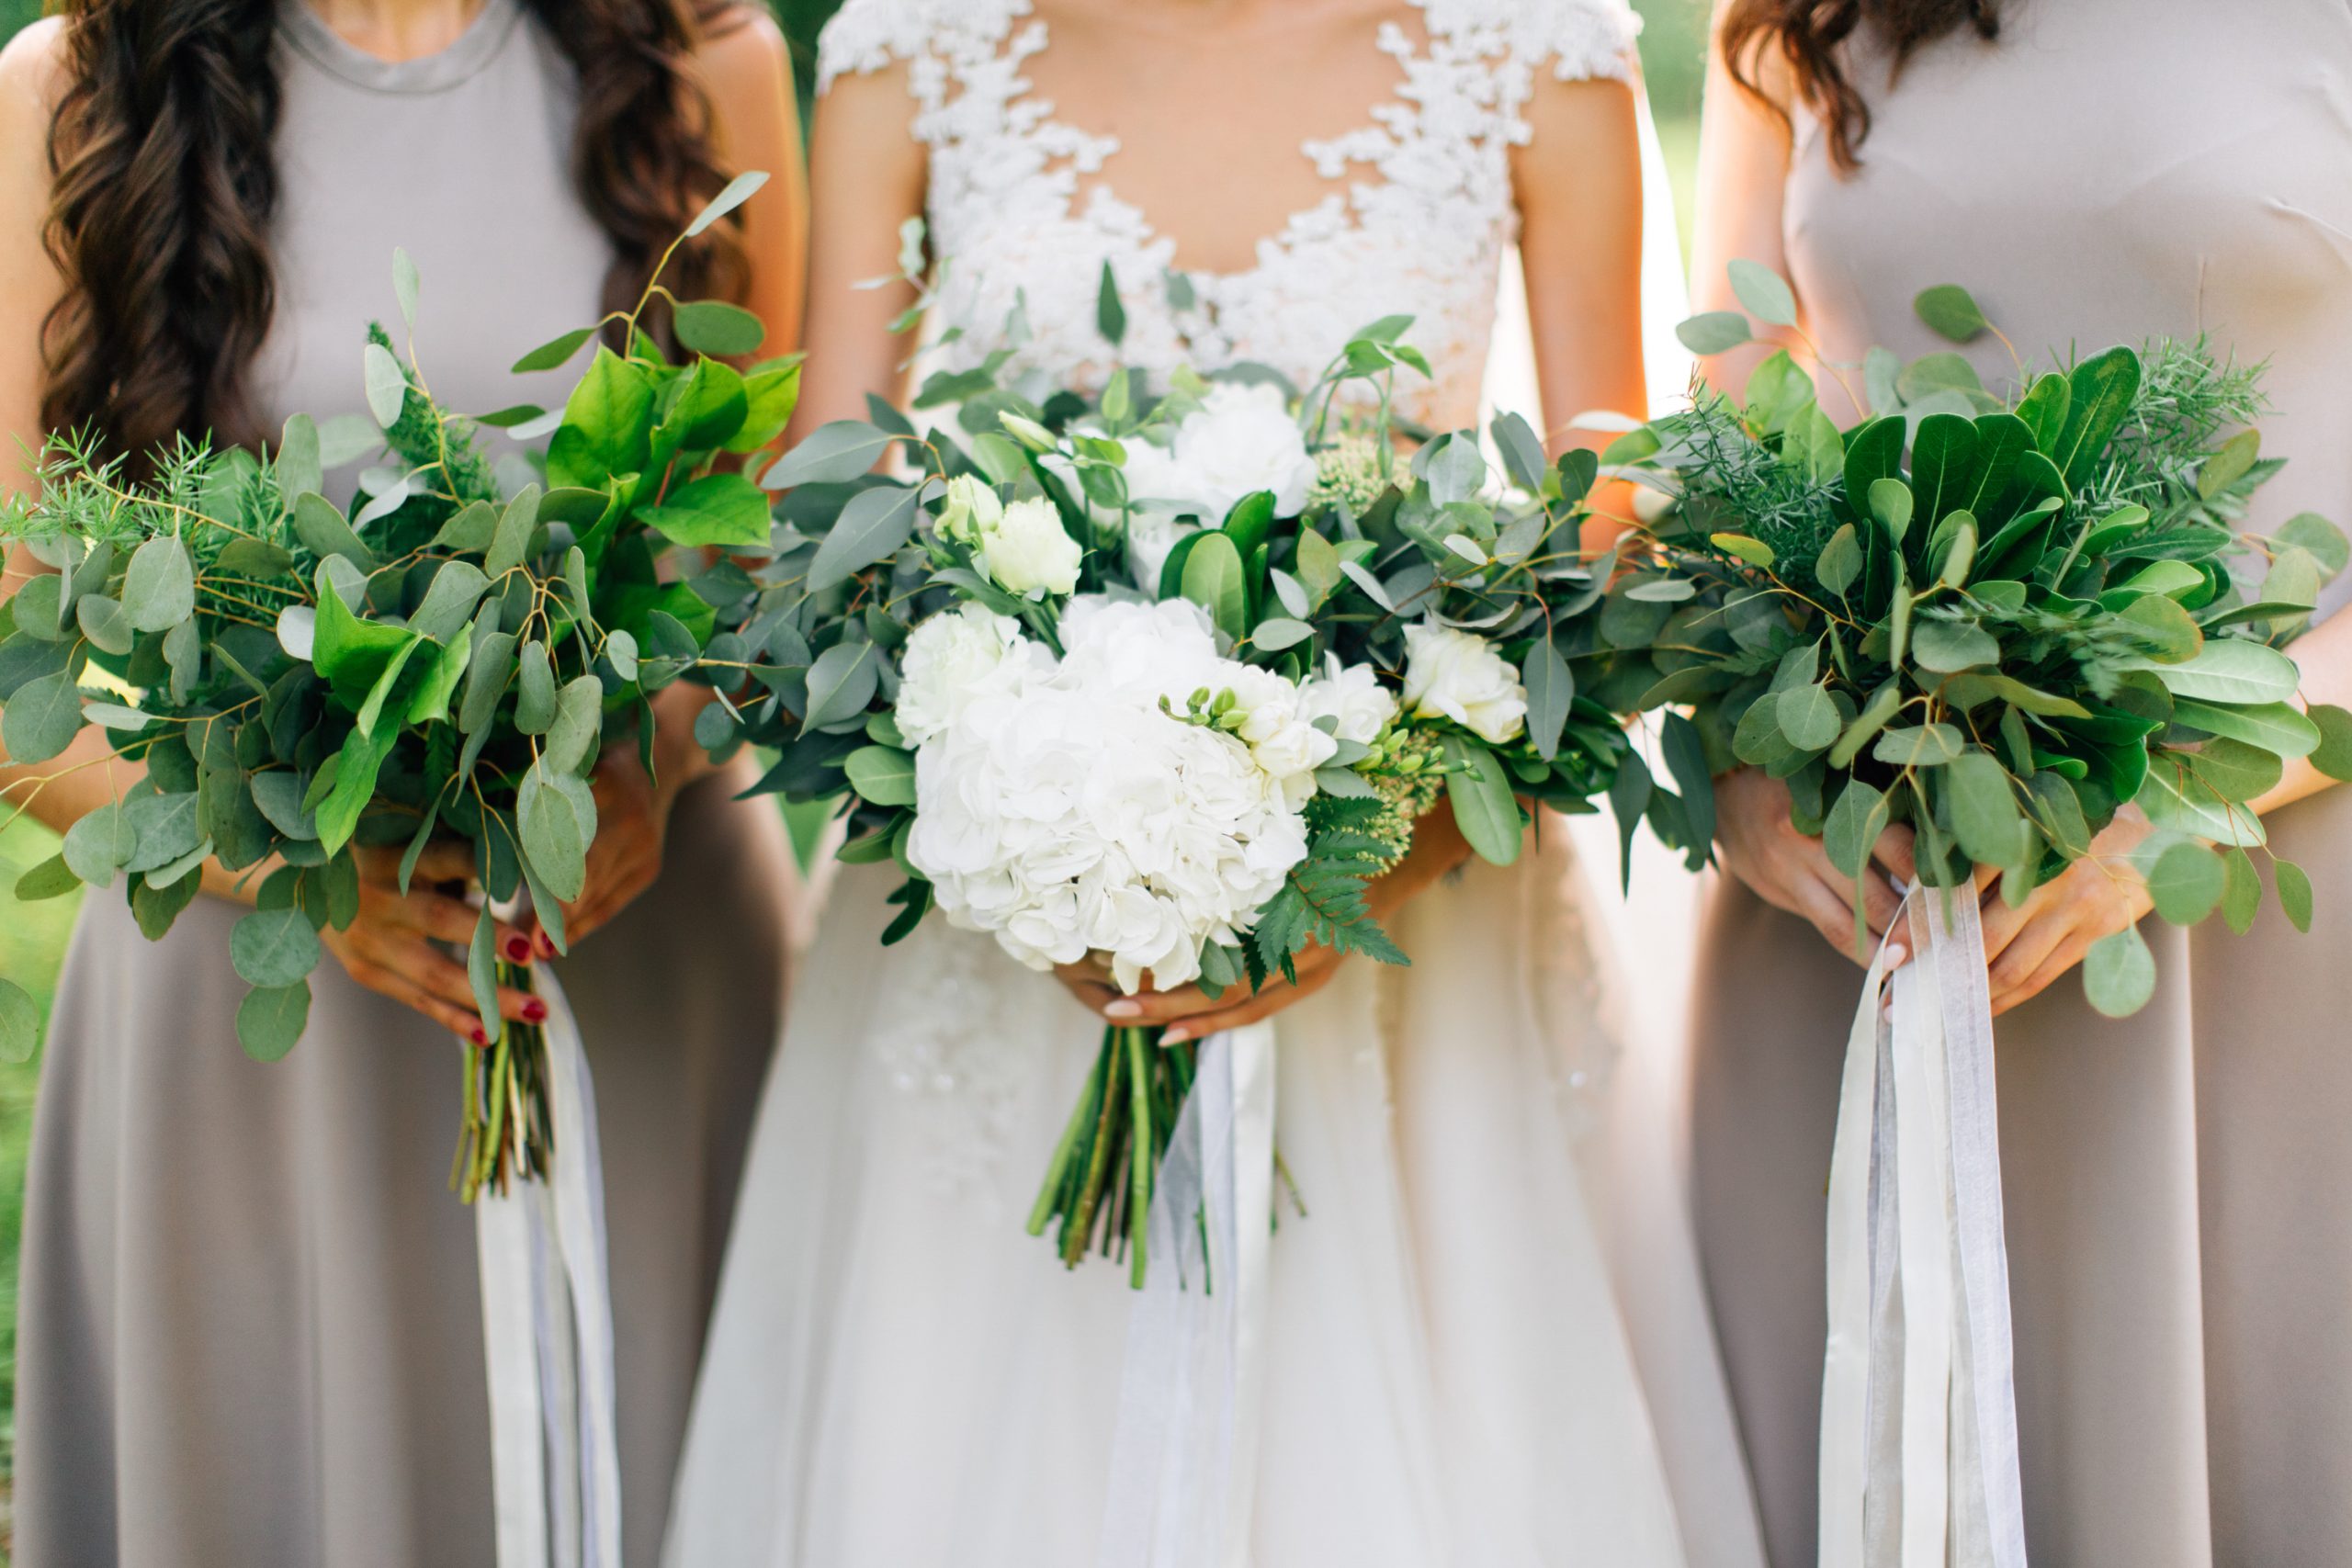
column 32, row 936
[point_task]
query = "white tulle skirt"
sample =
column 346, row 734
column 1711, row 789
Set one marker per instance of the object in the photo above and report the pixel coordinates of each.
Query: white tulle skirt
column 899, row 1377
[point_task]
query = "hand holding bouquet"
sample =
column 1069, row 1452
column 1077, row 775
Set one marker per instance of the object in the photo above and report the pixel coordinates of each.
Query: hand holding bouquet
column 1163, row 676
column 444, row 662
column 1996, row 622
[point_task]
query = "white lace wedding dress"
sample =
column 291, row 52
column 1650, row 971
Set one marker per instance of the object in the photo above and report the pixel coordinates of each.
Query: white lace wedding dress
column 897, row 1376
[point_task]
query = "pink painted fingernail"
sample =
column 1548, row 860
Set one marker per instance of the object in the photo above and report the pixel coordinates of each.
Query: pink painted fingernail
column 518, row 947
column 1175, row 1035
column 535, row 1012
column 1895, row 953
column 1123, row 1009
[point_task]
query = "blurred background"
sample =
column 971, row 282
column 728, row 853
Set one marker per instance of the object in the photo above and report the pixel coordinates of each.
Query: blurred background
column 32, row 936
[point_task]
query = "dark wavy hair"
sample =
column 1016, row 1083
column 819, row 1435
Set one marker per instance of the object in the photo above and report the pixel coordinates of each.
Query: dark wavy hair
column 165, row 184
column 1811, row 36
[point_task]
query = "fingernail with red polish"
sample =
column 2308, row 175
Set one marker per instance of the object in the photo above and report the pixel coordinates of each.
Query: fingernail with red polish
column 518, row 947
column 535, row 1012
column 480, row 1037
column 547, row 945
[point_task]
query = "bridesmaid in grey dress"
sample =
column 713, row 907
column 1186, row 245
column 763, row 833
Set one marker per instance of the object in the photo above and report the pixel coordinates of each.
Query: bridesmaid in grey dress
column 250, row 1328
column 2179, row 1184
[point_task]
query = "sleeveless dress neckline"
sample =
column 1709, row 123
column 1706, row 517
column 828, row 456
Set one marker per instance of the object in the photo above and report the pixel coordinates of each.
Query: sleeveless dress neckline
column 467, row 55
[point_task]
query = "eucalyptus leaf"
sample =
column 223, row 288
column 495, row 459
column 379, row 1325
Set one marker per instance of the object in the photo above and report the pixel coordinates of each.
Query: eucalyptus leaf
column 19, row 1024
column 841, row 683
column 557, row 818
column 1764, row 293
column 100, row 842
column 1951, row 312
column 1551, row 692
column 2294, row 886
column 579, row 720
column 882, row 775
column 271, row 1019
column 274, row 947
column 1484, row 806
column 42, row 718
column 386, row 387
column 738, row 191
column 159, row 588
column 535, row 705
column 1713, row 332
column 2187, row 883
column 715, row 327
column 875, row 525
column 2120, row 972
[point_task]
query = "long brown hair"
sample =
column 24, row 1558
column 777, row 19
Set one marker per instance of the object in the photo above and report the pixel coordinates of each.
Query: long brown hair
column 165, row 184
column 1811, row 37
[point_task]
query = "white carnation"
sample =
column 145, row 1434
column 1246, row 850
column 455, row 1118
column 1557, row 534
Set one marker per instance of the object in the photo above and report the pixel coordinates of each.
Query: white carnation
column 1241, row 440
column 1458, row 675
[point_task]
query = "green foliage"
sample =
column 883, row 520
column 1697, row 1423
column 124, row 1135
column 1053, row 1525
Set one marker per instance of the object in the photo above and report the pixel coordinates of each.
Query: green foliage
column 1995, row 620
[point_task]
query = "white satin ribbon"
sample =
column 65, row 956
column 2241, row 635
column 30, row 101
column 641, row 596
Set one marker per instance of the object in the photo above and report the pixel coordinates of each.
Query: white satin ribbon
column 1183, row 1458
column 548, row 1332
column 1919, row 1429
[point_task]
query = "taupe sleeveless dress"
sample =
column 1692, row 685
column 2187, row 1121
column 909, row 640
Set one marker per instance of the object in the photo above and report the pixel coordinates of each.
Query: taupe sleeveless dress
column 2179, row 1185
column 250, row 1328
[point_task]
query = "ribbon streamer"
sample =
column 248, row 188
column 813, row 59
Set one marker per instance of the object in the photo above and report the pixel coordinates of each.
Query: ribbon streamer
column 547, row 1332
column 1183, row 1458
column 1918, row 1431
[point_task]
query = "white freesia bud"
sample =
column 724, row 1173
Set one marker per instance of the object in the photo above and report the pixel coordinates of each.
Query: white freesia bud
column 972, row 509
column 1241, row 440
column 1028, row 432
column 1353, row 697
column 1458, row 675
column 1027, row 550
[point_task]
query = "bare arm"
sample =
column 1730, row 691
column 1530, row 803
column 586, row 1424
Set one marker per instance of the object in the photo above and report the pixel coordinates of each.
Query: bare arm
column 1578, row 186
column 866, row 177
column 1744, row 151
column 61, row 791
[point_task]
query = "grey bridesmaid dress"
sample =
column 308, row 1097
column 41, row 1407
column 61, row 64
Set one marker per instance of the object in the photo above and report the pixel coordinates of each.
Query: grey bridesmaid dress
column 250, row 1329
column 2179, row 1185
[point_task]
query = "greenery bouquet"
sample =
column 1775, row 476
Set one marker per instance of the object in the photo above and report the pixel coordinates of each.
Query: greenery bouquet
column 445, row 659
column 1163, row 674
column 1997, row 621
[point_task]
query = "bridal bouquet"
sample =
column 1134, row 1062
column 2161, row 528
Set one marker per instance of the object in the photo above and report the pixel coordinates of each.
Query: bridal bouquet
column 1162, row 676
column 1996, row 621
column 446, row 659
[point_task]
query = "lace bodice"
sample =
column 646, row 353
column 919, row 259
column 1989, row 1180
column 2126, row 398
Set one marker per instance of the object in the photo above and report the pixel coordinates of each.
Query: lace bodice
column 1417, row 218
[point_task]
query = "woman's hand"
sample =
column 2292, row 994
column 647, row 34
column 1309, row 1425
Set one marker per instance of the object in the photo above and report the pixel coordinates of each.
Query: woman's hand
column 1792, row 871
column 390, row 947
column 1190, row 1014
column 2030, row 946
column 632, row 824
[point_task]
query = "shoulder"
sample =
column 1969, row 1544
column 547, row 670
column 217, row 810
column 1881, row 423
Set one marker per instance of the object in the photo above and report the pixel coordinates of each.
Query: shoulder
column 866, row 36
column 1572, row 39
column 742, row 51
column 33, row 71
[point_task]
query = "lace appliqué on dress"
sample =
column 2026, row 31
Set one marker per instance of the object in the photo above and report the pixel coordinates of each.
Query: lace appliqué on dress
column 961, row 1039
column 1420, row 228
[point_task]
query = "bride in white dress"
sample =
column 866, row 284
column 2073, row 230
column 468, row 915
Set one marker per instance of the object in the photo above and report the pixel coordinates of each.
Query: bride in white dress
column 897, row 1376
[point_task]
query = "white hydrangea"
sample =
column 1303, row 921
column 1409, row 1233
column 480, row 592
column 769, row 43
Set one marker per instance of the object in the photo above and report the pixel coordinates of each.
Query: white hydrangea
column 1451, row 673
column 1241, row 440
column 1061, row 809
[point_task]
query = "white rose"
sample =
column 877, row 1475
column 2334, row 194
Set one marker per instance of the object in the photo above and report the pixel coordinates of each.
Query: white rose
column 1153, row 531
column 951, row 660
column 1027, row 550
column 1279, row 733
column 1352, row 696
column 1241, row 440
column 1458, row 675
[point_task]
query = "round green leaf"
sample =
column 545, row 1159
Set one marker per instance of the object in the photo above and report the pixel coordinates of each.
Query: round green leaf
column 1764, row 293
column 882, row 775
column 1277, row 632
column 1713, row 332
column 712, row 327
column 2120, row 974
column 1948, row 646
column 271, row 1019
column 1951, row 312
column 42, row 720
column 1852, row 828
column 535, row 702
column 1808, row 717
column 841, row 683
column 2294, row 892
column 2241, row 891
column 2334, row 755
column 1981, row 807
column 100, row 844
column 52, row 878
column 19, row 1024
column 387, row 387
column 558, row 819
column 159, row 588
column 2187, row 883
column 272, row 948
